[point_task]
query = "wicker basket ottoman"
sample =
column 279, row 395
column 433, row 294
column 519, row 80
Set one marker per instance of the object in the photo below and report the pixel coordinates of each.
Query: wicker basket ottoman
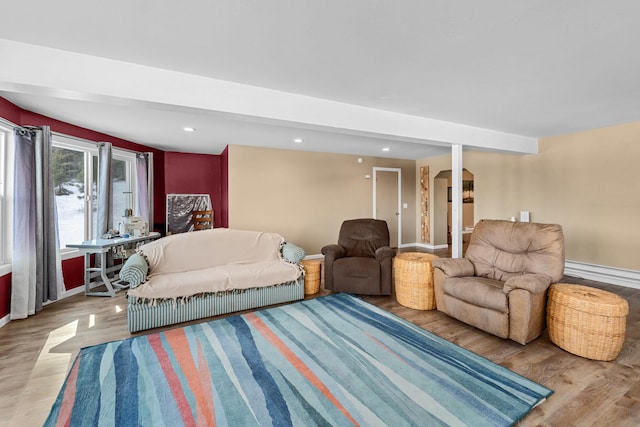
column 311, row 276
column 586, row 321
column 414, row 280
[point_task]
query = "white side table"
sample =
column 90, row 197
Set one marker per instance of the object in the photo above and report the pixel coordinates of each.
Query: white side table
column 102, row 247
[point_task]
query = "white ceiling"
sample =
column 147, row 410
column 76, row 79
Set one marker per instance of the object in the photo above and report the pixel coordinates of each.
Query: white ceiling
column 415, row 70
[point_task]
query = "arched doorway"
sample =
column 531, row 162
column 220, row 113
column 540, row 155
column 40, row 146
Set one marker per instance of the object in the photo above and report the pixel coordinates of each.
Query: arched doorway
column 442, row 207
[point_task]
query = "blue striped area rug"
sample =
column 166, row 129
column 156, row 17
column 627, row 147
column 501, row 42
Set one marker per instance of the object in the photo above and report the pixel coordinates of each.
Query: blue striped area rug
column 330, row 361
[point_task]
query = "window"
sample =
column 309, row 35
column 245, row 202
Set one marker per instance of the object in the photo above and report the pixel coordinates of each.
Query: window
column 75, row 175
column 71, row 192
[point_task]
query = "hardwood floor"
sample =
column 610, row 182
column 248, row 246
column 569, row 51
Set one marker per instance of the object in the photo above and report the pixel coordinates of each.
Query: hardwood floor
column 36, row 353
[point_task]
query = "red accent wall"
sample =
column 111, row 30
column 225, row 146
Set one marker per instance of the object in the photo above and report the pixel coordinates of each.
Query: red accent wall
column 172, row 173
column 17, row 115
column 197, row 174
column 73, row 272
column 73, row 269
column 224, row 187
column 9, row 111
column 5, row 294
column 34, row 119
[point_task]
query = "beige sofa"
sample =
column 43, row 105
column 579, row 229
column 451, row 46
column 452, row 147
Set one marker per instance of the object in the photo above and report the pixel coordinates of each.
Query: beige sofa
column 500, row 286
column 211, row 272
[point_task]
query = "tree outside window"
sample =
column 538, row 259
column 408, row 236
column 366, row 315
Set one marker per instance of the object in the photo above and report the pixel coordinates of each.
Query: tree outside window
column 75, row 171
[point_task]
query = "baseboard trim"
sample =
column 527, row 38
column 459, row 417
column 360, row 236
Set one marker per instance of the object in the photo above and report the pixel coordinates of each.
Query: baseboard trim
column 601, row 273
column 74, row 291
column 5, row 320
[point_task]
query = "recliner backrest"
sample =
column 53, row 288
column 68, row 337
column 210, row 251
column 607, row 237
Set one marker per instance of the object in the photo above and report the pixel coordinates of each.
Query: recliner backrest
column 361, row 237
column 500, row 250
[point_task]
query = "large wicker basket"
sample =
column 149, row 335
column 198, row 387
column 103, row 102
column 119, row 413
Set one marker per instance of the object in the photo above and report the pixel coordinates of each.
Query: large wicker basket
column 587, row 321
column 311, row 276
column 414, row 280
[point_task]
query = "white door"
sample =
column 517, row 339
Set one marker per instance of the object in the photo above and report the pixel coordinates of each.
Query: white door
column 387, row 201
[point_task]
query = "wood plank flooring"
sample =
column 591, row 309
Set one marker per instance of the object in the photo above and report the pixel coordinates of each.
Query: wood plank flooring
column 36, row 353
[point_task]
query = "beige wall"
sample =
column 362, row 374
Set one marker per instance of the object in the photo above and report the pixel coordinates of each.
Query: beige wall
column 305, row 196
column 586, row 181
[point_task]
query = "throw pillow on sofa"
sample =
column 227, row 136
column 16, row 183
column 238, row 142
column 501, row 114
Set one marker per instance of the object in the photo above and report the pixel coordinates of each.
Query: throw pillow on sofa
column 293, row 253
column 134, row 271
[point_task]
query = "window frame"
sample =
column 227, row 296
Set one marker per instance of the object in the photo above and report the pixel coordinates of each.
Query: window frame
column 131, row 176
column 90, row 150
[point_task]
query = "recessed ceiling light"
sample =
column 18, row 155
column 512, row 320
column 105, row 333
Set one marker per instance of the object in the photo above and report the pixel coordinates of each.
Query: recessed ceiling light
column 386, row 149
column 298, row 140
column 188, row 129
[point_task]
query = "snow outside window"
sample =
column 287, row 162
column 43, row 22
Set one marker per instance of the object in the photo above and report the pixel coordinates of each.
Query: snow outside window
column 75, row 171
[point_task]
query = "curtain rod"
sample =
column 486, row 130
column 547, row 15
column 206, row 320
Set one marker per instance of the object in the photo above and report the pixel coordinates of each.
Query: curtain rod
column 7, row 123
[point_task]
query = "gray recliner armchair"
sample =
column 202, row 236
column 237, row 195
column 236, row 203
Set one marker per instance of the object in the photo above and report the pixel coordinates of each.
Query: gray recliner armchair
column 361, row 262
column 500, row 286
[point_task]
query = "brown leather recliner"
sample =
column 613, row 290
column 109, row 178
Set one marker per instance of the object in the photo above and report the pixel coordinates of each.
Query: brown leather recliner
column 500, row 286
column 361, row 262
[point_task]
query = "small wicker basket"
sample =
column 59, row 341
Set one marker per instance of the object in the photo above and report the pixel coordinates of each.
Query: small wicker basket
column 586, row 321
column 414, row 280
column 311, row 276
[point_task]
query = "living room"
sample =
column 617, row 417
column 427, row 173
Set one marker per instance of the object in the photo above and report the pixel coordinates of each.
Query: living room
column 582, row 176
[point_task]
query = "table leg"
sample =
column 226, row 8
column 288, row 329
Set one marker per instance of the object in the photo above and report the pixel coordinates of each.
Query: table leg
column 102, row 271
column 87, row 273
column 103, row 274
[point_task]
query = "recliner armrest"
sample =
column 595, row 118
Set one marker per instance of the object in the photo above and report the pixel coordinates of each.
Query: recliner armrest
column 334, row 251
column 384, row 252
column 534, row 283
column 454, row 267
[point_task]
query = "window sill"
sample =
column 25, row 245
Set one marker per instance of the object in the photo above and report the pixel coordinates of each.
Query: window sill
column 71, row 253
column 5, row 269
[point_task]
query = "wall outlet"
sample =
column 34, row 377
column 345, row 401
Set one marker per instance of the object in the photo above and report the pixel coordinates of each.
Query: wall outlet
column 524, row 216
column 405, row 205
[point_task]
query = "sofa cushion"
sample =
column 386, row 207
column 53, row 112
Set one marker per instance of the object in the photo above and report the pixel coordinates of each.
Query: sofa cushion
column 492, row 321
column 479, row 291
column 217, row 279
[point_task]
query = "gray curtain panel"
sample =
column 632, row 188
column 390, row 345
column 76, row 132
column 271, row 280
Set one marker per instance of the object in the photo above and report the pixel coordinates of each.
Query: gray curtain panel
column 105, row 192
column 150, row 189
column 36, row 265
column 105, row 198
column 142, row 189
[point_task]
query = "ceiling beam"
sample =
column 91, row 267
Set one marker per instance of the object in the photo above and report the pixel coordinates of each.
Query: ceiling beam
column 68, row 75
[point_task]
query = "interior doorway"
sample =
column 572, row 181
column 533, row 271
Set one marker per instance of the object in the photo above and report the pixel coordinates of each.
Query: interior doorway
column 443, row 203
column 387, row 200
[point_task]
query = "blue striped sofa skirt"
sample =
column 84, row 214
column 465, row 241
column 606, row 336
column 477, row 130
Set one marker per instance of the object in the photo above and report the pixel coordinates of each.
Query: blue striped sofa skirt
column 147, row 315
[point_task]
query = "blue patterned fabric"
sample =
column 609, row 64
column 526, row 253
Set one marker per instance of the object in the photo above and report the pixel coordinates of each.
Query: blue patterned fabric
column 134, row 271
column 328, row 361
column 293, row 253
